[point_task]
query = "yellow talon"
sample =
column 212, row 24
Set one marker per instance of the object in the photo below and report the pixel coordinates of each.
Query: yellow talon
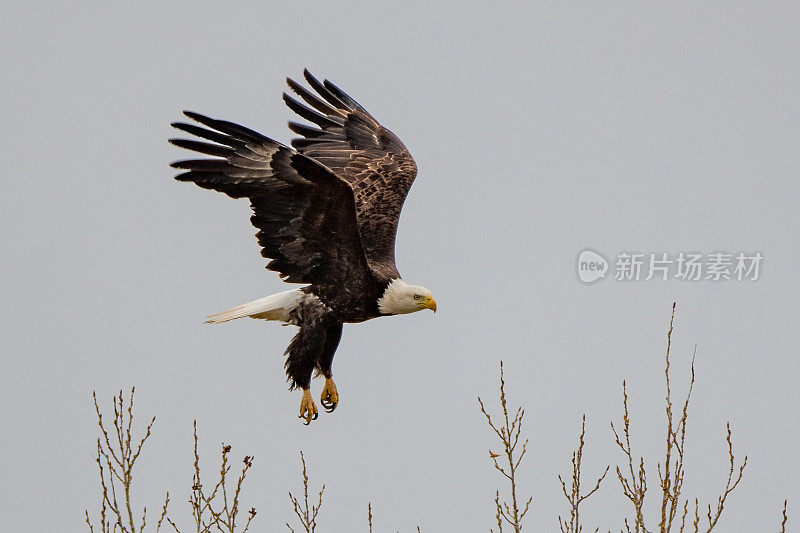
column 330, row 396
column 308, row 410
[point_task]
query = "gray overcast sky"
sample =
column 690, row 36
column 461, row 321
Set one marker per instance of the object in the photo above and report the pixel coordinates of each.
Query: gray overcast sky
column 540, row 129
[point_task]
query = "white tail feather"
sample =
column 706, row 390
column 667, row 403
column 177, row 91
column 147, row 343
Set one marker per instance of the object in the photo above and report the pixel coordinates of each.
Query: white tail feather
column 273, row 307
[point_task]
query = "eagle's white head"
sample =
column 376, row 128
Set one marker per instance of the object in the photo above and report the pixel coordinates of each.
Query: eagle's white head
column 400, row 298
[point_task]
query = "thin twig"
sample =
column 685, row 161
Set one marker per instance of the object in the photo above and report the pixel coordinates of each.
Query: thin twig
column 573, row 496
column 785, row 517
column 509, row 434
column 307, row 514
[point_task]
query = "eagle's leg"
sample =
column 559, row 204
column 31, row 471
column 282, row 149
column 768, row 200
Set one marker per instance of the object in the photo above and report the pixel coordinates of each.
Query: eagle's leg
column 330, row 396
column 302, row 355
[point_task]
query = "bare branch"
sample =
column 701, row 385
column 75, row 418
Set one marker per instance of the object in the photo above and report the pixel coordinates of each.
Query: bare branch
column 509, row 432
column 671, row 473
column 305, row 512
column 730, row 485
column 785, row 517
column 115, row 458
column 573, row 495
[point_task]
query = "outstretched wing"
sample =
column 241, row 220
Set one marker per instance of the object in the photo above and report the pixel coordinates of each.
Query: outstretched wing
column 305, row 214
column 371, row 158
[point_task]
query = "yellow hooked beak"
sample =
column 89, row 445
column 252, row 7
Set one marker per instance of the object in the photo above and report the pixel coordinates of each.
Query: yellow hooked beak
column 430, row 303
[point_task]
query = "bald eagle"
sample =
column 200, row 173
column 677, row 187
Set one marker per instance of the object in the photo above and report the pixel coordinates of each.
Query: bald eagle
column 326, row 210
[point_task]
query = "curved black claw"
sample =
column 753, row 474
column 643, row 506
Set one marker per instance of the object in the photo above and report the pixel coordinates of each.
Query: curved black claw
column 307, row 420
column 329, row 406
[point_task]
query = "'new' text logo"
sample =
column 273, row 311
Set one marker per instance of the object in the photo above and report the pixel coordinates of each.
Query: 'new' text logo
column 591, row 266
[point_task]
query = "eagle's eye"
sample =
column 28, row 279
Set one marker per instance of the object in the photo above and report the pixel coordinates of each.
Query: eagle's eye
column 417, row 297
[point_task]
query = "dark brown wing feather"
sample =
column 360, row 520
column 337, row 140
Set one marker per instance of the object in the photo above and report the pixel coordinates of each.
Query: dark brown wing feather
column 349, row 141
column 305, row 213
